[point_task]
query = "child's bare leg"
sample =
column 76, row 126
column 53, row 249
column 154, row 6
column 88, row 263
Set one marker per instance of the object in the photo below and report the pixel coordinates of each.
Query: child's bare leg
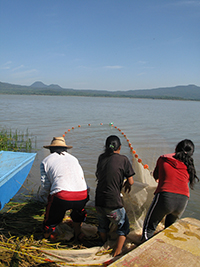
column 103, row 236
column 46, row 235
column 120, row 243
column 77, row 229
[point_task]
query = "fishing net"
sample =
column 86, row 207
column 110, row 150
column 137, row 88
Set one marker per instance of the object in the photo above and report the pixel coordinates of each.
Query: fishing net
column 90, row 251
column 136, row 204
column 138, row 200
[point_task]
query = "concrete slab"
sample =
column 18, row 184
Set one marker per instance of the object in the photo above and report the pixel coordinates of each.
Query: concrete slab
column 176, row 246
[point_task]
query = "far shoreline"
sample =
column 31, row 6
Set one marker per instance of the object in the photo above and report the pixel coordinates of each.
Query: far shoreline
column 104, row 96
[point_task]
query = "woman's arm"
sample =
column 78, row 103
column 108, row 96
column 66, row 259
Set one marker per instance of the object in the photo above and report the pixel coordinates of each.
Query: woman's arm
column 156, row 172
column 128, row 183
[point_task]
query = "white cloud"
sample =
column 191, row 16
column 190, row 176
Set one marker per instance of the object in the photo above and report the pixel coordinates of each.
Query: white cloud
column 58, row 54
column 189, row 3
column 141, row 62
column 82, row 67
column 24, row 74
column 141, row 74
column 184, row 3
column 19, row 67
column 6, row 66
column 113, row 67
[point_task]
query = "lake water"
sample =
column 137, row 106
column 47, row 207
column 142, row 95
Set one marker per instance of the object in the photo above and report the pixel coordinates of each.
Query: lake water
column 153, row 127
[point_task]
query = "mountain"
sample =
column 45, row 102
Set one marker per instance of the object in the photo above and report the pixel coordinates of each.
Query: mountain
column 182, row 92
column 39, row 85
column 42, row 85
column 185, row 92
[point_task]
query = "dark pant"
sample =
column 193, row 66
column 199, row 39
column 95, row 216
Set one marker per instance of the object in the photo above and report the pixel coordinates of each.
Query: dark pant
column 164, row 204
column 55, row 212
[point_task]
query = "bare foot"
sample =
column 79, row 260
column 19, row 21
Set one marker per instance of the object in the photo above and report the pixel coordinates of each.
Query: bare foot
column 46, row 235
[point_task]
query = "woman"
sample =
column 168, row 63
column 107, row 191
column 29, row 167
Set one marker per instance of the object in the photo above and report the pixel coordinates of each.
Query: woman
column 112, row 169
column 173, row 172
column 63, row 187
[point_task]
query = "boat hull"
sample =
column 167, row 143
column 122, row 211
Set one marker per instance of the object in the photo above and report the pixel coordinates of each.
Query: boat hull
column 14, row 169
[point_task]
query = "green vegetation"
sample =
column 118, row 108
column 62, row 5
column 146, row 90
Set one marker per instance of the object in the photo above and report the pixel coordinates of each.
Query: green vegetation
column 16, row 141
column 21, row 236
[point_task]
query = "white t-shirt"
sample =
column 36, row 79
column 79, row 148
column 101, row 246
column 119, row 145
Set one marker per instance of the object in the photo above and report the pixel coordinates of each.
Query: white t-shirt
column 61, row 172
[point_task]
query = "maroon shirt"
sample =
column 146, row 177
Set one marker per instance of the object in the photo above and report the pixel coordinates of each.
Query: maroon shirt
column 172, row 174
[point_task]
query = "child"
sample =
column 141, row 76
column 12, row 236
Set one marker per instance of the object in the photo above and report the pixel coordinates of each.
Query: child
column 112, row 169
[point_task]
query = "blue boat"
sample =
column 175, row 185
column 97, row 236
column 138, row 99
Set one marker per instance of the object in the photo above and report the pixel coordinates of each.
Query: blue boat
column 14, row 168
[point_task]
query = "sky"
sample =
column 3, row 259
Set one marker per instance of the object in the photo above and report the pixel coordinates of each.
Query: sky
column 100, row 44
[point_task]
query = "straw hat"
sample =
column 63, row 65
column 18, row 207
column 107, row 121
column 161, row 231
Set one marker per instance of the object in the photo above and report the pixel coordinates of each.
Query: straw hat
column 58, row 142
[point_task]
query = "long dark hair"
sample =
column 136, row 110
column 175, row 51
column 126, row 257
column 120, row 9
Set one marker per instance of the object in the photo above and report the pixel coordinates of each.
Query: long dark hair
column 112, row 144
column 183, row 152
column 57, row 149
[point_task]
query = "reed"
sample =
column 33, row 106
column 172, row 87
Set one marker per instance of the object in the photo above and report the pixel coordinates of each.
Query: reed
column 21, row 239
column 16, row 141
column 21, row 223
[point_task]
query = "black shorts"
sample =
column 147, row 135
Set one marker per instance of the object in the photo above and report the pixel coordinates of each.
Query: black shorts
column 56, row 209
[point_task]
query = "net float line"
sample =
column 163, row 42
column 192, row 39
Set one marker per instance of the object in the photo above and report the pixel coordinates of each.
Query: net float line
column 133, row 151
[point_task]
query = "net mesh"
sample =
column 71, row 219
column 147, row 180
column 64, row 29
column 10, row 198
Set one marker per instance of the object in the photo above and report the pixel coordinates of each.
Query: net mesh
column 136, row 203
column 138, row 200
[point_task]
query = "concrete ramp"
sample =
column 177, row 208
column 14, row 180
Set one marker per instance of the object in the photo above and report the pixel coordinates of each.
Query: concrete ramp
column 176, row 246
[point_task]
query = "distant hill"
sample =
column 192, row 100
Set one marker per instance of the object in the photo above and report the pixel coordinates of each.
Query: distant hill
column 42, row 85
column 39, row 85
column 181, row 92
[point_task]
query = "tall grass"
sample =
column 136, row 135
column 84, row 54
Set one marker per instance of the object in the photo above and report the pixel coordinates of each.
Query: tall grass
column 16, row 141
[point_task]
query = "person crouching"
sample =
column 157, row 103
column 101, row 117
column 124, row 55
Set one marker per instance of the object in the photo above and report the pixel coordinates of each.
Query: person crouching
column 63, row 187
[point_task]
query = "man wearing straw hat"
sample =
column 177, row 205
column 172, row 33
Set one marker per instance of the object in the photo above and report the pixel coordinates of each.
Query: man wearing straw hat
column 63, row 187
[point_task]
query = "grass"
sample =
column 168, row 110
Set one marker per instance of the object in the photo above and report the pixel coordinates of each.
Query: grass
column 16, row 141
column 20, row 235
column 14, row 220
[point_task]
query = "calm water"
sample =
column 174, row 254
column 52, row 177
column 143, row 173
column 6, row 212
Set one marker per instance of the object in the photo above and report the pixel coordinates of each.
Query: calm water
column 153, row 127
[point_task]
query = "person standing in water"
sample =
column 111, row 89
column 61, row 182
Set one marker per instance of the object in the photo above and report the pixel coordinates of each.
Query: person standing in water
column 173, row 172
column 112, row 169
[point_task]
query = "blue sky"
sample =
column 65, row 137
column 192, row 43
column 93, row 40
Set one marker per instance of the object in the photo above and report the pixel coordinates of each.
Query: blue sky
column 100, row 44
